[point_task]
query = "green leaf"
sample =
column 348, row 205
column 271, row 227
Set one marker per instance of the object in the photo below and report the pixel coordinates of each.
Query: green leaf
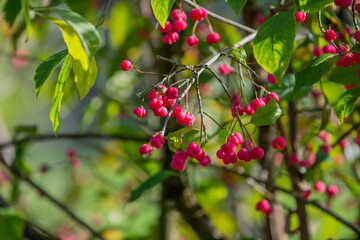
column 274, row 42
column 59, row 91
column 352, row 184
column 314, row 72
column 326, row 112
column 161, row 9
column 11, row 225
column 44, row 70
column 332, row 91
column 236, row 5
column 347, row 103
column 346, row 75
column 11, row 10
column 267, row 115
column 26, row 9
column 185, row 134
column 87, row 33
column 84, row 70
column 238, row 53
column 286, row 90
column 150, row 183
column 314, row 5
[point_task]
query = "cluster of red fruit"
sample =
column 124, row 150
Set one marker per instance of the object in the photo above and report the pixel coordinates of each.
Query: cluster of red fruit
column 194, row 151
column 228, row 154
column 331, row 189
column 254, row 105
column 156, row 141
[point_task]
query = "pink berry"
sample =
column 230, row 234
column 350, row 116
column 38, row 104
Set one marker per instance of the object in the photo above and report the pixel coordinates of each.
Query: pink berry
column 180, row 118
column 357, row 36
column 169, row 102
column 170, row 38
column 318, row 51
column 326, row 148
column 293, row 159
column 179, row 161
column 279, row 143
column 145, row 149
column 256, row 104
column 264, row 206
column 270, row 96
column 125, row 65
column 193, row 149
column 75, row 162
column 163, row 112
column 248, row 110
column 212, row 38
column 304, row 194
column 347, row 60
column 197, row 14
column 271, row 78
column 192, row 120
column 167, row 29
column 179, row 26
column 300, row 16
column 227, row 159
column 319, row 187
column 152, row 94
column 178, row 14
column 172, row 93
column 235, row 140
column 256, row 153
column 239, row 110
column 157, row 141
column 224, row 70
column 329, row 49
column 220, row 154
column 155, row 104
column 332, row 190
column 205, row 161
column 140, row 112
column 200, row 155
column 228, row 148
column 329, row 35
column 343, row 143
column 192, row 40
column 243, row 155
column 177, row 111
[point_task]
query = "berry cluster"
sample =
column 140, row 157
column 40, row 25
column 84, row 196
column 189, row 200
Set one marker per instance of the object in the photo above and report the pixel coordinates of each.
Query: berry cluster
column 171, row 30
column 227, row 151
column 194, row 151
column 331, row 189
column 156, row 142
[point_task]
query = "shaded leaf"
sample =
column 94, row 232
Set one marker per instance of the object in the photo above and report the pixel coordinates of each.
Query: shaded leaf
column 11, row 10
column 59, row 91
column 347, row 103
column 185, row 134
column 26, row 9
column 11, row 225
column 274, row 42
column 314, row 72
column 267, row 115
column 325, row 117
column 314, row 5
column 161, row 9
column 236, row 5
column 150, row 183
column 44, row 70
column 120, row 15
column 346, row 75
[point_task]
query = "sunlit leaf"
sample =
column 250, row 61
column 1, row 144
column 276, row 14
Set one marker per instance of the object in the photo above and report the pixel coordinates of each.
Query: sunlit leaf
column 314, row 5
column 161, row 9
column 11, row 225
column 347, row 103
column 185, row 135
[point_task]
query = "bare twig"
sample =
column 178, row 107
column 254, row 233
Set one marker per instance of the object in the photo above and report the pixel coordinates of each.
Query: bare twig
column 103, row 14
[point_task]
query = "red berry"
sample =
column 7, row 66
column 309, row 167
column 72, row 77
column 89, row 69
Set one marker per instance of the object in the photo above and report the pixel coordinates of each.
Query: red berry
column 343, row 3
column 70, row 152
column 157, row 141
column 153, row 94
column 248, row 110
column 279, row 143
column 332, row 190
column 220, row 154
column 271, row 78
column 179, row 161
column 238, row 109
column 212, row 38
column 200, row 155
column 205, row 161
column 145, row 149
column 224, row 70
column 197, row 14
column 293, row 159
column 125, row 65
column 178, row 14
column 172, row 93
column 347, row 60
column 192, row 40
column 170, row 38
column 243, row 155
column 300, row 16
column 179, row 25
column 234, row 139
column 326, row 148
column 140, row 112
column 329, row 49
column 318, row 51
column 358, row 72
column 357, row 36
column 167, row 28
column 227, row 159
column 162, row 112
column 357, row 8
column 264, row 206
column 180, row 118
column 177, row 111
column 305, row 194
column 155, row 104
column 270, row 96
column 256, row 153
column 256, row 104
column 228, row 148
column 193, row 149
column 169, row 102
column 319, row 187
column 329, row 35
column 192, row 120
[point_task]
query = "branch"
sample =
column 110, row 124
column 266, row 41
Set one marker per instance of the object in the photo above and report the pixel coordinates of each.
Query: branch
column 222, row 19
column 72, row 136
column 51, row 198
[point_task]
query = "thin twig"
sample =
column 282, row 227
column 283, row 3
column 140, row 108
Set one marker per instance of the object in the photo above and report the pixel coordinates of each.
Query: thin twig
column 203, row 127
column 103, row 14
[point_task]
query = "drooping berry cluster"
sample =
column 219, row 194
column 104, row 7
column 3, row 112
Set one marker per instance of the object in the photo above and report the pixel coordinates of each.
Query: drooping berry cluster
column 156, row 142
column 194, row 151
column 171, row 30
